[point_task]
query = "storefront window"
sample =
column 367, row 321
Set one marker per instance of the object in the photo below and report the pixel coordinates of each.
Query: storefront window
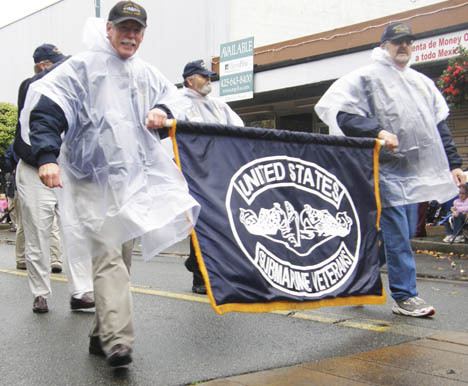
column 259, row 119
column 296, row 122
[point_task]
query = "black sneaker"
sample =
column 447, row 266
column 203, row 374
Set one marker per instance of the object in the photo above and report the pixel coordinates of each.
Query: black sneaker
column 21, row 265
column 56, row 267
column 119, row 356
column 86, row 303
column 40, row 305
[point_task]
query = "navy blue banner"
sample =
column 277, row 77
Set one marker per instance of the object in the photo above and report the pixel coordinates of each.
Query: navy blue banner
column 288, row 220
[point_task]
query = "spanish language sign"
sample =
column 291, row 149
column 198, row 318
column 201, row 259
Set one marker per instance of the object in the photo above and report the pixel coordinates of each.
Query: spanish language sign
column 439, row 47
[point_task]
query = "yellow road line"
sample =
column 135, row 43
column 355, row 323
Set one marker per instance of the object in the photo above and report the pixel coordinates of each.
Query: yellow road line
column 54, row 277
column 135, row 289
column 13, row 272
column 314, row 316
column 362, row 324
column 171, row 295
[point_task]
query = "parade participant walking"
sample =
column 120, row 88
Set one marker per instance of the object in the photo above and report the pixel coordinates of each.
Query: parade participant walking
column 39, row 210
column 390, row 101
column 200, row 107
column 117, row 181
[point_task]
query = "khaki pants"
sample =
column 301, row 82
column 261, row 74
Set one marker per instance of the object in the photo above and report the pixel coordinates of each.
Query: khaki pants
column 111, row 261
column 113, row 320
column 39, row 212
column 55, row 247
column 15, row 216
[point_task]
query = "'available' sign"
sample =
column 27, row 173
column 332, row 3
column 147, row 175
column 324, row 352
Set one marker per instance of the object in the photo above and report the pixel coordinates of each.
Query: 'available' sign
column 236, row 70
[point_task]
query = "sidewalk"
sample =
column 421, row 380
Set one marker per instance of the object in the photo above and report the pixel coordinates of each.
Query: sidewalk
column 441, row 359
column 438, row 260
column 433, row 242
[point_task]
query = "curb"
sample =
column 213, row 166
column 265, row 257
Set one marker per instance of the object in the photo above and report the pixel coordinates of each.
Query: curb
column 432, row 276
column 439, row 246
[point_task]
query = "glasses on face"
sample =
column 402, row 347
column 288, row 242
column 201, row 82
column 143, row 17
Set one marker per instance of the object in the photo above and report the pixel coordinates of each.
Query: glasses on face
column 400, row 41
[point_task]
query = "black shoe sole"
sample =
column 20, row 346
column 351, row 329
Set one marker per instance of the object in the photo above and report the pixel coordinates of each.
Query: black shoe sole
column 77, row 305
column 83, row 308
column 39, row 311
column 119, row 361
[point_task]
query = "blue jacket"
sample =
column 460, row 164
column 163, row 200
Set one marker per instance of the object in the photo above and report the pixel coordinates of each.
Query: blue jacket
column 22, row 149
column 354, row 125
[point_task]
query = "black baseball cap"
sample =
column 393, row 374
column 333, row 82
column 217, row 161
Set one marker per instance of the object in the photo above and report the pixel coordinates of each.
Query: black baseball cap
column 395, row 31
column 47, row 52
column 127, row 10
column 197, row 67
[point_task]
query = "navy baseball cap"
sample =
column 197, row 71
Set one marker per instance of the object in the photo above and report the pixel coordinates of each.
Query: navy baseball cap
column 197, row 67
column 396, row 31
column 47, row 52
column 127, row 10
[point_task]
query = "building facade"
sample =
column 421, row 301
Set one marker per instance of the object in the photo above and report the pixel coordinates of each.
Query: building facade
column 290, row 76
column 327, row 39
column 180, row 31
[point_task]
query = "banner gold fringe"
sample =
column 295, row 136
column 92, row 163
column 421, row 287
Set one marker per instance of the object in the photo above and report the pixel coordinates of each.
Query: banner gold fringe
column 283, row 305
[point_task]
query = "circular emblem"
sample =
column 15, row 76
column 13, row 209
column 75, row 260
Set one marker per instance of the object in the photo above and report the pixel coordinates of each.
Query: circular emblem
column 296, row 223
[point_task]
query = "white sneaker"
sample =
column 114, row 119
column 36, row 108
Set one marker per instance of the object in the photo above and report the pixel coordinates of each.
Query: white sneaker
column 447, row 239
column 459, row 239
column 414, row 306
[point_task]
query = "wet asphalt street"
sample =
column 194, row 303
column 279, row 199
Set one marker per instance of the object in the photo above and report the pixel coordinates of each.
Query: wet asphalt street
column 180, row 340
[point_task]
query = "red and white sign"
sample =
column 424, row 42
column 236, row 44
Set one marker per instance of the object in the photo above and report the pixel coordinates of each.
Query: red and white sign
column 439, row 47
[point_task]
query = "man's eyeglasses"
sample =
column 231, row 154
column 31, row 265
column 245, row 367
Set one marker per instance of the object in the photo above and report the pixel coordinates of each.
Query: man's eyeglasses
column 400, row 41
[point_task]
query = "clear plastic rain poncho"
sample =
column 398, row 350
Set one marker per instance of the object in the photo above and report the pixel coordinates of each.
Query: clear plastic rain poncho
column 407, row 104
column 198, row 108
column 118, row 182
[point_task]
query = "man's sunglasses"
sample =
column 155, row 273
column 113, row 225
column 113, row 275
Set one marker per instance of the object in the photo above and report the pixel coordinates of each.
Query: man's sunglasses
column 399, row 41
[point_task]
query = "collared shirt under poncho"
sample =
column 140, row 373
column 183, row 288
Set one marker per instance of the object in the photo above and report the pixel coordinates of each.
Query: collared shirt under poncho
column 407, row 104
column 117, row 180
column 199, row 108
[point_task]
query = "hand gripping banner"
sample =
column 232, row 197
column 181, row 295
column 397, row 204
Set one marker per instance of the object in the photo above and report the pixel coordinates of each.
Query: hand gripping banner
column 288, row 220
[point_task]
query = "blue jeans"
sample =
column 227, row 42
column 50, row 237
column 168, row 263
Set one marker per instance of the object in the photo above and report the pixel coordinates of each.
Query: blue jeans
column 458, row 222
column 398, row 225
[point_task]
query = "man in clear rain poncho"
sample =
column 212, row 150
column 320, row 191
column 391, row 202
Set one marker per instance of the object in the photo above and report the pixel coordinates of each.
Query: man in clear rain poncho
column 390, row 101
column 198, row 106
column 39, row 211
column 118, row 182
